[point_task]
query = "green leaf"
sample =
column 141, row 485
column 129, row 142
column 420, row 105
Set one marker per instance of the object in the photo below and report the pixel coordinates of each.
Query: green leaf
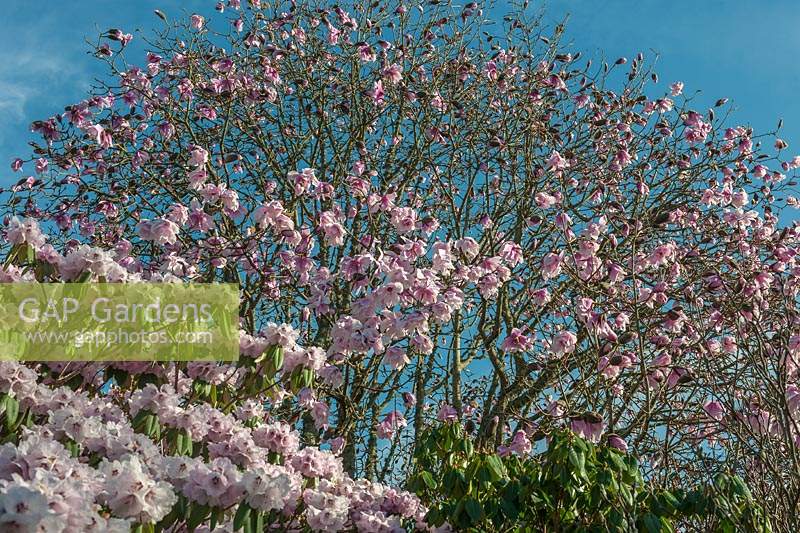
column 509, row 508
column 242, row 515
column 73, row 448
column 12, row 412
column 197, row 515
column 496, row 467
column 213, row 395
column 474, row 510
column 216, row 514
column 257, row 521
column 11, row 255
column 617, row 519
column 578, row 461
column 669, row 501
column 626, row 494
column 434, row 517
column 150, row 422
column 651, row 522
column 427, row 478
column 450, row 481
column 618, row 462
column 183, row 443
column 484, row 475
column 467, row 447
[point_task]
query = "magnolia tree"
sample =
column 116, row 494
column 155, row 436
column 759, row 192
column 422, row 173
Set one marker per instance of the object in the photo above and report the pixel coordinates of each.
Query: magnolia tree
column 430, row 216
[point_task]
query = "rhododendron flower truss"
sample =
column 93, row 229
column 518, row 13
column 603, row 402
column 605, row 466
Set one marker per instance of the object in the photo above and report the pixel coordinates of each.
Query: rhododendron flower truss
column 428, row 216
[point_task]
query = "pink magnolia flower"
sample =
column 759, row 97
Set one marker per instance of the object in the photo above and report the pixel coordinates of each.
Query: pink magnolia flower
column 404, row 219
column 41, row 165
column 198, row 157
column 269, row 487
column 366, row 53
column 661, row 255
column 729, row 344
column 100, row 135
column 540, row 296
column 662, row 359
column 512, row 253
column 387, row 428
column 337, row 444
column 320, row 413
column 545, row 200
column 393, row 73
column 159, row 230
column 409, row 400
column 793, row 398
column 739, row 198
column 396, row 357
column 469, row 247
column 376, row 93
column 520, row 444
column 714, row 410
column 563, row 343
column 447, row 413
column 590, row 426
column 197, row 21
column 325, row 511
column 615, row 273
column 678, row 376
column 551, row 265
column 331, row 228
column 556, row 162
column 615, row 441
column 554, row 81
column 516, row 341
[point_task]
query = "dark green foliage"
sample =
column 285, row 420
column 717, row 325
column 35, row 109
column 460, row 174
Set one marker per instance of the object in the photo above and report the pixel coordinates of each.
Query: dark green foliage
column 574, row 485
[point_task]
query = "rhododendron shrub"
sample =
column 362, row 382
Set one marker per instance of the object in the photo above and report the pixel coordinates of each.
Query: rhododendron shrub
column 156, row 458
column 569, row 484
column 429, row 216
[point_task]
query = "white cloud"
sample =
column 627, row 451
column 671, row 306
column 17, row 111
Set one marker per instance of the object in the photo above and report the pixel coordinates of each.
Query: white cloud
column 12, row 100
column 31, row 70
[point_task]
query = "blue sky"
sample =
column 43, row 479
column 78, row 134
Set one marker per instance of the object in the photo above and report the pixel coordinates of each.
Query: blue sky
column 744, row 50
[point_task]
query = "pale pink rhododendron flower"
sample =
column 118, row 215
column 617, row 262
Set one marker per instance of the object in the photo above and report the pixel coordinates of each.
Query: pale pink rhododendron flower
column 25, row 231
